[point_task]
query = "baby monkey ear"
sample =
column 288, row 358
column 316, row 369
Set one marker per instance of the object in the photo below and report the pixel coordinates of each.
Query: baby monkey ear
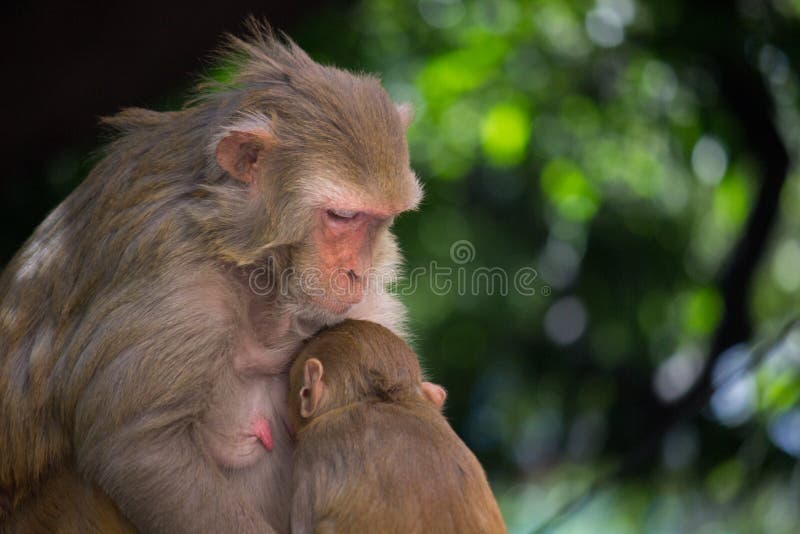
column 240, row 152
column 311, row 392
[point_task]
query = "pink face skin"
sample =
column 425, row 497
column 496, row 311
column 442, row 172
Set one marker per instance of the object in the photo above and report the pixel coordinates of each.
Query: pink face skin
column 344, row 240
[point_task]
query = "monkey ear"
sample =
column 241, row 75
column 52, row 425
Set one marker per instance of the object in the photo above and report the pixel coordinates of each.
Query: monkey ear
column 240, row 152
column 406, row 111
column 311, row 392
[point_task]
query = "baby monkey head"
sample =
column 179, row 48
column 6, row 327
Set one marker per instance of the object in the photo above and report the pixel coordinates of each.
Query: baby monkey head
column 353, row 361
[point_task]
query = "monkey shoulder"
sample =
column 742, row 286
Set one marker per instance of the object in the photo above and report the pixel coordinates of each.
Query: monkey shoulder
column 402, row 463
column 383, row 441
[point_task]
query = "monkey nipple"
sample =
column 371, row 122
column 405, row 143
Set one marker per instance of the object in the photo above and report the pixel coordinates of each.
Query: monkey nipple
column 262, row 432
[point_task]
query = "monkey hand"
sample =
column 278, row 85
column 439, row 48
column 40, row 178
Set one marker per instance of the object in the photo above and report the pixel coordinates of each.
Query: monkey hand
column 434, row 393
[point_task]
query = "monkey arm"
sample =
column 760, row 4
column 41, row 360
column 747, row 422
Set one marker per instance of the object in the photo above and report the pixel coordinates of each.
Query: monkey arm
column 137, row 432
column 65, row 503
column 164, row 484
column 313, row 481
column 321, row 490
column 303, row 505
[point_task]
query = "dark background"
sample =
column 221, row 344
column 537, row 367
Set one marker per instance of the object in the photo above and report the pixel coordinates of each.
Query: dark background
column 68, row 63
column 638, row 155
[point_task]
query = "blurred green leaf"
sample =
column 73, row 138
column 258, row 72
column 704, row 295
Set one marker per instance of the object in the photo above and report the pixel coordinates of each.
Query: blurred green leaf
column 568, row 190
column 505, row 132
column 702, row 310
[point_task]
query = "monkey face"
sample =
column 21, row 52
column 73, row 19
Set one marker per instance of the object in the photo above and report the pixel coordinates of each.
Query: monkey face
column 344, row 241
column 325, row 155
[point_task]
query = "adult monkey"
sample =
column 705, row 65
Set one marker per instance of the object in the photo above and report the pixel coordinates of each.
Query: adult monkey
column 133, row 346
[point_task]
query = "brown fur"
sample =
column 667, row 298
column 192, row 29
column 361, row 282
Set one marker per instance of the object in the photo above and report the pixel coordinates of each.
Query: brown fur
column 375, row 455
column 131, row 346
column 65, row 504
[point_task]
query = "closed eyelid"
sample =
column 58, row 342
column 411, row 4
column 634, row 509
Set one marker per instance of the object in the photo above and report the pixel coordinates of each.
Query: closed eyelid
column 343, row 213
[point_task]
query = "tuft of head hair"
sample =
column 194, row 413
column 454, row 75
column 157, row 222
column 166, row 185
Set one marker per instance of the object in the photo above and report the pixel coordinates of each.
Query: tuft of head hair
column 341, row 119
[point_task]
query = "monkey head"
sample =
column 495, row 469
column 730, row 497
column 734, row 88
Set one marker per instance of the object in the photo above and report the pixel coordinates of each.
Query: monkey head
column 354, row 361
column 321, row 161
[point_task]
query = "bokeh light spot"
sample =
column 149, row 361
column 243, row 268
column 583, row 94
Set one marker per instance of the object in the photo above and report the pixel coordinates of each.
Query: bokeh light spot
column 675, row 375
column 625, row 9
column 702, row 309
column 505, row 133
column 442, row 13
column 709, row 160
column 731, row 202
column 565, row 321
column 784, row 431
column 659, row 81
column 604, row 27
column 785, row 265
column 734, row 401
column 568, row 190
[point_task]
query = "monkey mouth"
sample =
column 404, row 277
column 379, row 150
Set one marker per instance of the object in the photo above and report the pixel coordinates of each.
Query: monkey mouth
column 337, row 305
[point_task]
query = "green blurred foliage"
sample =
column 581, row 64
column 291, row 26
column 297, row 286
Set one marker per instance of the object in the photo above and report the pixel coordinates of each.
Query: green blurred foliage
column 550, row 135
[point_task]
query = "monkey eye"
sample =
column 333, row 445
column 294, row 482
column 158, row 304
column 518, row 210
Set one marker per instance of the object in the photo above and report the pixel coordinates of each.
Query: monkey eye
column 342, row 215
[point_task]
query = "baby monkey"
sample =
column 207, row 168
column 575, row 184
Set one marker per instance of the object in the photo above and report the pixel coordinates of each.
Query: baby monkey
column 373, row 454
